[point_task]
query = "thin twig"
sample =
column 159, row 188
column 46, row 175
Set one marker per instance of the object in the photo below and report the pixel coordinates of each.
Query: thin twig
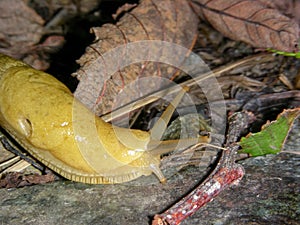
column 226, row 173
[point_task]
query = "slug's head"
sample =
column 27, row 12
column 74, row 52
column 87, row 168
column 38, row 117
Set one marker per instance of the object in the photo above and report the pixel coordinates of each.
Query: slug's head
column 150, row 144
column 135, row 152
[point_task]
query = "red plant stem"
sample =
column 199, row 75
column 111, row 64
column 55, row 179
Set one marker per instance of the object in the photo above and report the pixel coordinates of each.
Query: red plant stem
column 226, row 173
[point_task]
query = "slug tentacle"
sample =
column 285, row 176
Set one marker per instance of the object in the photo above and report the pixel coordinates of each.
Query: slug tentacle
column 43, row 116
column 160, row 126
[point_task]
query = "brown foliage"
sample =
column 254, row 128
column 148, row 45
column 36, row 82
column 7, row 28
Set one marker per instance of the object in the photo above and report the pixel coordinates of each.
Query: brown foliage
column 253, row 22
column 31, row 30
column 21, row 28
column 16, row 179
column 261, row 23
column 290, row 8
column 258, row 23
column 170, row 20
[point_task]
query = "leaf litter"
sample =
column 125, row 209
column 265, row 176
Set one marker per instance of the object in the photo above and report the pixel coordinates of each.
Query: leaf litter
column 263, row 11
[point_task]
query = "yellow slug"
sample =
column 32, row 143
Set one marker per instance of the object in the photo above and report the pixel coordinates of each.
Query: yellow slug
column 43, row 116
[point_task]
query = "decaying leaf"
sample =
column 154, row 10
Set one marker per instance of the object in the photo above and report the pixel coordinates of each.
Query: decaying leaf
column 32, row 30
column 21, row 27
column 124, row 8
column 170, row 20
column 253, row 22
column 290, row 8
column 273, row 135
column 14, row 180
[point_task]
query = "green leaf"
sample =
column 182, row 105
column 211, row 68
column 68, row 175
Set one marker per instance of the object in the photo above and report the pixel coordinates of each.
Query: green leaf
column 292, row 54
column 271, row 139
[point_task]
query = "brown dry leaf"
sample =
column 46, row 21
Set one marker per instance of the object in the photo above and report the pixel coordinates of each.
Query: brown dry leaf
column 256, row 22
column 124, row 8
column 21, row 32
column 31, row 30
column 21, row 27
column 253, row 22
column 170, row 20
column 290, row 8
column 17, row 179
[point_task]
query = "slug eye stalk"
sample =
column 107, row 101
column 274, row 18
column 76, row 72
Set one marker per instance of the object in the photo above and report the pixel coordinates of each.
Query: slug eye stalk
column 157, row 147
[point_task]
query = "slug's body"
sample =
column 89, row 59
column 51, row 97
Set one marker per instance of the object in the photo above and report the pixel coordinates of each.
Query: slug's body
column 41, row 114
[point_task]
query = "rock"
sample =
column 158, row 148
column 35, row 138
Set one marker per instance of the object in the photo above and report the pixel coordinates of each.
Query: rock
column 268, row 194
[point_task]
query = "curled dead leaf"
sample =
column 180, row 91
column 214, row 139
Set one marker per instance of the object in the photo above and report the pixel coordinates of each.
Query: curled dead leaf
column 170, row 20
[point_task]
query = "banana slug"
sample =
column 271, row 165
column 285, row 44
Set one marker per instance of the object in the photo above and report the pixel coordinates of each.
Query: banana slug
column 43, row 116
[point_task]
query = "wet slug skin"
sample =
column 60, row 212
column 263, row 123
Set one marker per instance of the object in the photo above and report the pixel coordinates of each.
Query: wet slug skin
column 43, row 116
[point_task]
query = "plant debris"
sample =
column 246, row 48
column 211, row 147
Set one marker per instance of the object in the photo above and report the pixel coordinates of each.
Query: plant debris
column 271, row 138
column 17, row 180
column 252, row 22
column 226, row 173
